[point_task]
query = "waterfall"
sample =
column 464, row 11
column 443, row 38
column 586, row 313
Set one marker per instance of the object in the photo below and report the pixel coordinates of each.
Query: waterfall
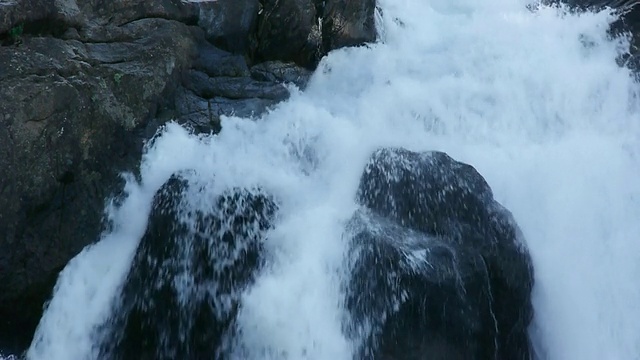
column 531, row 96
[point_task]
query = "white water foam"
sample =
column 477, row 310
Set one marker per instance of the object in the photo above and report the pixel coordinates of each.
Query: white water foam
column 533, row 99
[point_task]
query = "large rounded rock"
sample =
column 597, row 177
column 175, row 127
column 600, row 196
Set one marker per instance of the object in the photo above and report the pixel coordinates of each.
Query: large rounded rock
column 439, row 267
column 182, row 293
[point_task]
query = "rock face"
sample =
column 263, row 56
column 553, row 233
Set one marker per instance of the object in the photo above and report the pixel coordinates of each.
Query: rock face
column 439, row 269
column 278, row 71
column 84, row 84
column 230, row 25
column 288, row 29
column 71, row 119
column 348, row 23
column 182, row 292
column 303, row 31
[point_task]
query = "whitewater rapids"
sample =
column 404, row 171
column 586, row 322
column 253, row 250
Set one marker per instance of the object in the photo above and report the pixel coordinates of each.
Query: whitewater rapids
column 530, row 96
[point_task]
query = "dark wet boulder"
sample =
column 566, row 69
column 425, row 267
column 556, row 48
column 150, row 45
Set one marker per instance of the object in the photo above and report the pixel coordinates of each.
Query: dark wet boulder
column 200, row 250
column 439, row 268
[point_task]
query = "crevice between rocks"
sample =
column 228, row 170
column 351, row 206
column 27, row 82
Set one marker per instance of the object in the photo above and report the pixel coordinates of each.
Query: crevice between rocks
column 50, row 27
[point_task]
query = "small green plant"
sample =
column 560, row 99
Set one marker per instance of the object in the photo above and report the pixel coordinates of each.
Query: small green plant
column 117, row 78
column 12, row 37
column 16, row 31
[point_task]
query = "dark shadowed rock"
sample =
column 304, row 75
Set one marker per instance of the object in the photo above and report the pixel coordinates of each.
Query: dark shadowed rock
column 302, row 31
column 229, row 25
column 203, row 115
column 195, row 112
column 348, row 23
column 182, row 293
column 278, row 71
column 288, row 30
column 203, row 100
column 440, row 270
column 14, row 13
column 248, row 108
column 216, row 62
column 119, row 12
column 233, row 87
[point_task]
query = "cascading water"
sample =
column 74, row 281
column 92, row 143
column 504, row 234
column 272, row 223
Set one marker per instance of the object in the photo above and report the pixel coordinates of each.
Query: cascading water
column 531, row 96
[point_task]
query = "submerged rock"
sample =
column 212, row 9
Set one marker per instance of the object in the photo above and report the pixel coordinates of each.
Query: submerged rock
column 439, row 267
column 182, row 293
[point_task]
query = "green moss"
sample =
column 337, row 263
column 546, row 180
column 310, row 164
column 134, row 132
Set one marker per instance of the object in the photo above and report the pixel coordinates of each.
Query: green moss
column 16, row 31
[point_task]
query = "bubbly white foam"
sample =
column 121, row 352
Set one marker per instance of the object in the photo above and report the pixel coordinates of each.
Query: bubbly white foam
column 533, row 99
